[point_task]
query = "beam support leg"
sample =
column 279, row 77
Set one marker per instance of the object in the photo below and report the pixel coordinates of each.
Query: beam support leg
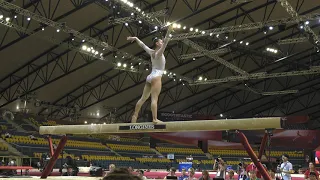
column 50, row 146
column 253, row 156
column 54, row 158
column 263, row 145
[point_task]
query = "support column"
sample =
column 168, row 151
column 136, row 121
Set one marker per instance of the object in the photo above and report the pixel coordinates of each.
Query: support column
column 54, row 158
column 50, row 146
column 253, row 156
column 263, row 145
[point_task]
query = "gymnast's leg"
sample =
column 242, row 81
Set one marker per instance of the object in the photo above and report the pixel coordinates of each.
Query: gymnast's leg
column 155, row 91
column 144, row 97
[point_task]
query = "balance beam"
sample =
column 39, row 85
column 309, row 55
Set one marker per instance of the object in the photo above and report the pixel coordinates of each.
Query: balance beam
column 176, row 126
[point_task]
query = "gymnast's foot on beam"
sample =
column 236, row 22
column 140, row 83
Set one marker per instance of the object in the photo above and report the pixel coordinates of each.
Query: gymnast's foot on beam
column 156, row 121
column 134, row 119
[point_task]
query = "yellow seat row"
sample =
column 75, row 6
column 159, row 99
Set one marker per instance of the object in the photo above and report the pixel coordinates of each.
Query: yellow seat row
column 244, row 153
column 129, row 148
column 3, row 127
column 110, row 158
column 3, row 147
column 38, row 155
column 195, row 161
column 179, row 150
column 42, row 141
column 160, row 160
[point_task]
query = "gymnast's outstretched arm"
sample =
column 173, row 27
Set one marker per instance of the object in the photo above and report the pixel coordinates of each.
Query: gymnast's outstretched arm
column 165, row 41
column 141, row 44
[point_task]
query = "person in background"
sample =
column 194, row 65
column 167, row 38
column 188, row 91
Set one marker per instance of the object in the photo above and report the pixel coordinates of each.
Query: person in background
column 252, row 175
column 130, row 169
column 191, row 172
column 205, row 175
column 183, row 174
column 313, row 176
column 242, row 173
column 172, row 171
column 112, row 167
column 231, row 175
column 121, row 174
column 310, row 170
column 272, row 175
column 286, row 168
column 221, row 171
column 141, row 175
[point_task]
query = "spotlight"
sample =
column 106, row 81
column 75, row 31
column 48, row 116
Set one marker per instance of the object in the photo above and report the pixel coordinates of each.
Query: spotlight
column 191, row 29
column 217, row 35
column 194, row 59
column 132, row 14
column 247, row 43
column 179, row 26
column 210, row 34
column 221, row 115
column 15, row 16
column 203, row 32
column 197, row 30
column 88, row 49
column 200, row 78
column 85, row 122
column 165, row 72
column 140, row 21
column 42, row 28
column 234, row 40
column 83, row 40
column 131, row 67
column 72, row 39
column 156, row 27
column 1, row 16
column 241, row 42
column 271, row 28
column 184, row 27
column 126, row 24
column 124, row 65
column 307, row 22
column 84, row 47
column 301, row 26
column 119, row 64
column 205, row 79
column 28, row 19
column 7, row 19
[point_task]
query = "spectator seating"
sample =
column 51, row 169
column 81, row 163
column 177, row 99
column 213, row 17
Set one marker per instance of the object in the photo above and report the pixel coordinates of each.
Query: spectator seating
column 120, row 147
column 3, row 147
column 189, row 151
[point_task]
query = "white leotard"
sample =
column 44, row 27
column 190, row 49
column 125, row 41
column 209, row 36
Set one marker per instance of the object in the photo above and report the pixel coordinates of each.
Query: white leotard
column 157, row 59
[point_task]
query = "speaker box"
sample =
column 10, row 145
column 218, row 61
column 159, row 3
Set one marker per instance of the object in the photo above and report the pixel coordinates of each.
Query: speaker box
column 96, row 171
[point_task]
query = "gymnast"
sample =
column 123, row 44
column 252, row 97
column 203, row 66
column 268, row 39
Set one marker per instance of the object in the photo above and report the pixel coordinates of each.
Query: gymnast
column 153, row 81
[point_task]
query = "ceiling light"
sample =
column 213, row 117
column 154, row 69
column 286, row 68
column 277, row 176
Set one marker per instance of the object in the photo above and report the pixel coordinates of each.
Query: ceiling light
column 126, row 24
column 28, row 19
column 1, row 16
column 124, row 65
column 247, row 43
column 271, row 28
column 221, row 115
column 84, row 47
column 15, row 16
column 191, row 29
column 119, row 64
column 184, row 27
column 7, row 19
column 241, row 42
column 200, row 78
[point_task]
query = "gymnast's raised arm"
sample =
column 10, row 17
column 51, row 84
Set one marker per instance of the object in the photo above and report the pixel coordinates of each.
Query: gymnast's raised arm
column 141, row 44
column 165, row 41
